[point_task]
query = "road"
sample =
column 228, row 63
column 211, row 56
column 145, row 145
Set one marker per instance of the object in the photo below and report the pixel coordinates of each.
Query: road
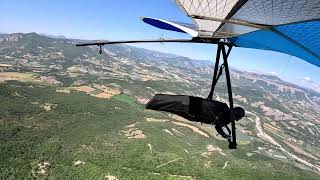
column 269, row 139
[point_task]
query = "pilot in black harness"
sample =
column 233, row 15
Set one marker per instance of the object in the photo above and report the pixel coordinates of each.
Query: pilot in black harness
column 197, row 109
column 203, row 110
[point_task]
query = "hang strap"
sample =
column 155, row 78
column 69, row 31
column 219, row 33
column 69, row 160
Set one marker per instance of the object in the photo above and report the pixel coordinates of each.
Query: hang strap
column 215, row 81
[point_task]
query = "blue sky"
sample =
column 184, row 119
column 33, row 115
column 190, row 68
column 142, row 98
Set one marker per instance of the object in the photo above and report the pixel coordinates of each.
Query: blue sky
column 119, row 19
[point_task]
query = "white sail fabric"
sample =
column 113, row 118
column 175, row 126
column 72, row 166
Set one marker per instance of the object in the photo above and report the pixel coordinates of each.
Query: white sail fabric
column 249, row 13
column 277, row 12
column 209, row 8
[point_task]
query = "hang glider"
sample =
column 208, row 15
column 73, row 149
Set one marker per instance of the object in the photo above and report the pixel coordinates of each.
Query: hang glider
column 288, row 26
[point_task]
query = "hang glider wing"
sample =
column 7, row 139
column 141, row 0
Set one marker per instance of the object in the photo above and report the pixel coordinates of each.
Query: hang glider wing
column 172, row 26
column 287, row 26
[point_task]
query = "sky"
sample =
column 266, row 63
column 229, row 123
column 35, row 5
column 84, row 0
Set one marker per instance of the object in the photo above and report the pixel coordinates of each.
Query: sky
column 120, row 20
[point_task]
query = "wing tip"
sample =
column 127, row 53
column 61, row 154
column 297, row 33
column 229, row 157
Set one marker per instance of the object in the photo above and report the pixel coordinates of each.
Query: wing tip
column 168, row 25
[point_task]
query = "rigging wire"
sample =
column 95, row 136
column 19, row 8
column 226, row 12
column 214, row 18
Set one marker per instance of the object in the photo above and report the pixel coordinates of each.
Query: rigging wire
column 286, row 65
column 224, row 95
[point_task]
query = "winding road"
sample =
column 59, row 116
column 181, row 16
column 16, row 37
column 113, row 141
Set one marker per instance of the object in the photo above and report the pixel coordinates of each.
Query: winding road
column 265, row 137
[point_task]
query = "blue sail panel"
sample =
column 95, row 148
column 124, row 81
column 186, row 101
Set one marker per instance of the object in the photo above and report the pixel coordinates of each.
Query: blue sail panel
column 305, row 33
column 307, row 46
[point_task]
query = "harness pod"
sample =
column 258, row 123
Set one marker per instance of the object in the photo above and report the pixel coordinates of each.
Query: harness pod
column 192, row 108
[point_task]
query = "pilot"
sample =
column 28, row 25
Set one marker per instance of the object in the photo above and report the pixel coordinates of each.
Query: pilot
column 197, row 109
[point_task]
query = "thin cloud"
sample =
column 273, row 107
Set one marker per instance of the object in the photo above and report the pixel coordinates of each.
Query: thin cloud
column 308, row 82
column 307, row 79
column 274, row 73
